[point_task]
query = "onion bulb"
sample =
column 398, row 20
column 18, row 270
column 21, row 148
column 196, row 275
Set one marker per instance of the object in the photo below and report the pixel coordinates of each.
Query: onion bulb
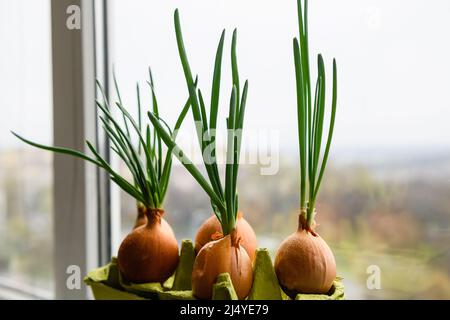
column 212, row 226
column 150, row 252
column 304, row 263
column 220, row 256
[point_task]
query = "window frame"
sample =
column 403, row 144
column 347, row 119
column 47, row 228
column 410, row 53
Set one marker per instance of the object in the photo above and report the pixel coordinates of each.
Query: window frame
column 84, row 230
column 83, row 234
column 75, row 196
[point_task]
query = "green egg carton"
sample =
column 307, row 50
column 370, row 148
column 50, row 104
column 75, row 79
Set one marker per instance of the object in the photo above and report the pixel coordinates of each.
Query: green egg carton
column 107, row 283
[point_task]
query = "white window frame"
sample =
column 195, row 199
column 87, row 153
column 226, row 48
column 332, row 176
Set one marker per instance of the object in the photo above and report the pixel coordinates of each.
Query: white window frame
column 85, row 230
column 82, row 219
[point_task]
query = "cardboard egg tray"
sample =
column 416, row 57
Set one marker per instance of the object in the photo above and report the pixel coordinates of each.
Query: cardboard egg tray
column 107, row 283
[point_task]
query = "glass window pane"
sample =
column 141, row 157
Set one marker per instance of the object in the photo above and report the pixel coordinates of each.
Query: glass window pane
column 384, row 199
column 26, row 226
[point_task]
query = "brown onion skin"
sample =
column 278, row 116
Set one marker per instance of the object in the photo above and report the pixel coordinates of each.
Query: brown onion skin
column 149, row 253
column 304, row 263
column 220, row 256
column 141, row 219
column 243, row 228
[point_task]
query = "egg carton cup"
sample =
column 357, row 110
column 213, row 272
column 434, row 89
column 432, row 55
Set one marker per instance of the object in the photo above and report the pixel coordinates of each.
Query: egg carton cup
column 107, row 283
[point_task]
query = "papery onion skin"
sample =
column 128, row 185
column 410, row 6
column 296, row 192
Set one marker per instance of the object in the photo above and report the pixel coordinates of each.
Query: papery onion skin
column 149, row 253
column 305, row 263
column 141, row 218
column 244, row 230
column 220, row 256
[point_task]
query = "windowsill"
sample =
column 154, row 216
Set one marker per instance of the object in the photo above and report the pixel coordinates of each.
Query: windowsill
column 11, row 290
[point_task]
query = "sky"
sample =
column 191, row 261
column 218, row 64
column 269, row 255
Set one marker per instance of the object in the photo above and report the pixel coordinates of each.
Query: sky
column 393, row 66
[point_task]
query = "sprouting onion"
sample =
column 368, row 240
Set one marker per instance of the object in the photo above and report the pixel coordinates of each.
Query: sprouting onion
column 225, row 254
column 304, row 262
column 150, row 252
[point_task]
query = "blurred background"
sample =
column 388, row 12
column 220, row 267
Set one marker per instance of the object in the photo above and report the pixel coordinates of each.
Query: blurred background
column 385, row 198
